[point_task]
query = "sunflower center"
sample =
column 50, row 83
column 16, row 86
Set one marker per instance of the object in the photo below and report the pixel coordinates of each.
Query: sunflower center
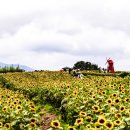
column 122, row 108
column 109, row 101
column 32, row 125
column 55, row 123
column 118, row 122
column 95, row 108
column 79, row 121
column 32, row 120
column 101, row 121
column 109, row 125
column 7, row 126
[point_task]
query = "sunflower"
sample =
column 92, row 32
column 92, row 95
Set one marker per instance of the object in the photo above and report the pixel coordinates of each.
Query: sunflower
column 79, row 121
column 88, row 118
column 93, row 96
column 11, row 107
column 114, row 84
column 101, row 120
column 91, row 129
column 95, row 108
column 117, row 122
column 109, row 125
column 109, row 101
column 71, row 128
column 33, row 119
column 97, row 125
column 7, row 126
column 32, row 106
column 100, row 100
column 128, row 111
column 30, row 103
column 123, row 91
column 122, row 108
column 127, row 99
column 82, row 114
column 14, row 102
column 19, row 107
column 1, row 124
column 0, row 103
column 117, row 100
column 32, row 124
column 88, row 126
column 118, row 115
column 4, row 109
column 55, row 124
column 33, row 110
column 111, row 86
column 21, row 126
column 17, row 99
column 103, row 92
column 75, row 93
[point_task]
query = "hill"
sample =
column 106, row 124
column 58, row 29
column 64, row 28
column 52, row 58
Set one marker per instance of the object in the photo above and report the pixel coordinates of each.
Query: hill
column 24, row 67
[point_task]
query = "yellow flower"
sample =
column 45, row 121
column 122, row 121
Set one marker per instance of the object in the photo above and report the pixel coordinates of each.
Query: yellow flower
column 7, row 126
column 14, row 102
column 75, row 93
column 71, row 128
column 96, row 108
column 128, row 111
column 117, row 122
column 93, row 96
column 117, row 100
column 114, row 95
column 88, row 118
column 33, row 110
column 19, row 107
column 32, row 106
column 30, row 103
column 91, row 129
column 126, row 99
column 32, row 124
column 101, row 120
column 109, row 125
column 122, row 108
column 33, row 119
column 55, row 124
column 82, row 114
column 1, row 124
column 88, row 126
column 79, row 121
column 118, row 115
column 97, row 125
column 109, row 100
column 4, row 109
column 17, row 99
column 103, row 92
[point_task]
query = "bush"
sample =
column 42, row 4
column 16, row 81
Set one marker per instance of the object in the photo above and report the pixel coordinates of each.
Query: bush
column 123, row 74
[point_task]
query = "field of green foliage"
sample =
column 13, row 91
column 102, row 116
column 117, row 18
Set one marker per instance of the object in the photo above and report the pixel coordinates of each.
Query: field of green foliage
column 92, row 103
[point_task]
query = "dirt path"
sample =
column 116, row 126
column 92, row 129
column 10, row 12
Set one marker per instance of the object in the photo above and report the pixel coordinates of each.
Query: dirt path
column 47, row 118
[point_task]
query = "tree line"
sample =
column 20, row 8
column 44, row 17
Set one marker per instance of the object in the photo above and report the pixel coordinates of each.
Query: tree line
column 11, row 69
column 82, row 65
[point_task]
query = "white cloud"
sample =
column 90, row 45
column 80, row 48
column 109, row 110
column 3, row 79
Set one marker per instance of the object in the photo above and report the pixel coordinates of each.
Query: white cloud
column 53, row 34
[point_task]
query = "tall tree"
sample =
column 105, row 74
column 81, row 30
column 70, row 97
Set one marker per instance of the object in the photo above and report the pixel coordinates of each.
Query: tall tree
column 85, row 65
column 80, row 65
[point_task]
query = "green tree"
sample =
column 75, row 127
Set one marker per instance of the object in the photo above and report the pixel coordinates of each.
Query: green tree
column 85, row 65
column 80, row 65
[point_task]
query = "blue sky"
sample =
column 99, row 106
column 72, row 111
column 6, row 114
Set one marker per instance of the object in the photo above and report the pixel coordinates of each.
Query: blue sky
column 51, row 34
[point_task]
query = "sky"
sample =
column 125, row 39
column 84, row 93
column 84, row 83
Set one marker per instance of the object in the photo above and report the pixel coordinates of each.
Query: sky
column 52, row 34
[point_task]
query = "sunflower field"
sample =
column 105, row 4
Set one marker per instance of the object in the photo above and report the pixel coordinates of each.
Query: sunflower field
column 92, row 103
